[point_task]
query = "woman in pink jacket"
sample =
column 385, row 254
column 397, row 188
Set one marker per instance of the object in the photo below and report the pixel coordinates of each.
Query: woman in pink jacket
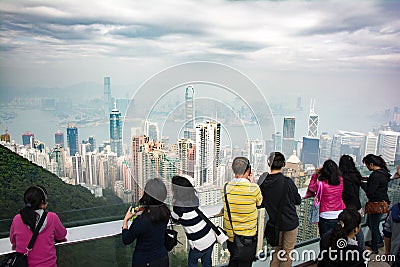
column 43, row 253
column 331, row 199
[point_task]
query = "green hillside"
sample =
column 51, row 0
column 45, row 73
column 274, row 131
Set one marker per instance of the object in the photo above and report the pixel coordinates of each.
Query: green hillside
column 75, row 205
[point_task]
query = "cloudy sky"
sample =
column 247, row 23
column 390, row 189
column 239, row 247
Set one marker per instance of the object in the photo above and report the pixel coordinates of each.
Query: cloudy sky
column 341, row 52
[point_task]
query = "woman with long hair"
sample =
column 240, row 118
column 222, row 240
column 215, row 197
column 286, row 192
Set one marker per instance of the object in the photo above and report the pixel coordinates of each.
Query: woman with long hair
column 338, row 246
column 200, row 236
column 43, row 253
column 331, row 203
column 149, row 227
column 351, row 189
column 376, row 190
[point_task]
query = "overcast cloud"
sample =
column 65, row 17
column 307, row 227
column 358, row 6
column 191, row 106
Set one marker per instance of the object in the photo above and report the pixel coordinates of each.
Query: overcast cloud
column 302, row 46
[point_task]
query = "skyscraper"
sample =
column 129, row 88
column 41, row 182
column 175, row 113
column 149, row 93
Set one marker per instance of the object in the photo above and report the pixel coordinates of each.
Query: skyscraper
column 310, row 151
column 92, row 143
column 137, row 143
column 289, row 124
column 350, row 143
column 277, row 139
column 184, row 148
column 257, row 156
column 107, row 96
column 116, row 132
column 59, row 138
column 151, row 130
column 72, row 139
column 371, row 144
column 28, row 139
column 389, row 145
column 189, row 131
column 313, row 120
column 325, row 147
column 207, row 152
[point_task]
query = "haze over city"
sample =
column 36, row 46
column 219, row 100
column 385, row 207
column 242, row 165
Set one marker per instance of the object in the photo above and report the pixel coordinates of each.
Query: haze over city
column 343, row 54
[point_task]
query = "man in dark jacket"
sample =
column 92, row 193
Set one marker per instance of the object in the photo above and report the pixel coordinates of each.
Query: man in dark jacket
column 272, row 187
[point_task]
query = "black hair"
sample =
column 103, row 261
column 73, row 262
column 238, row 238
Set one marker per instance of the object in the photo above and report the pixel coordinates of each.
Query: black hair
column 184, row 193
column 34, row 197
column 276, row 161
column 376, row 161
column 348, row 220
column 330, row 172
column 152, row 201
column 348, row 170
column 240, row 165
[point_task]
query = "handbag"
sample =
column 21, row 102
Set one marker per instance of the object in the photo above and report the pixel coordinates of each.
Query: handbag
column 220, row 234
column 170, row 238
column 313, row 216
column 271, row 232
column 243, row 247
column 376, row 207
column 17, row 259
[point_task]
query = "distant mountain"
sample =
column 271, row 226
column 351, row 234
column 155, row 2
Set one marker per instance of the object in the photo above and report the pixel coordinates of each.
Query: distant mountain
column 75, row 205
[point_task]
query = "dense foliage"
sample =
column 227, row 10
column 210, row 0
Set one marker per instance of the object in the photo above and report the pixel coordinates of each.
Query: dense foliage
column 75, row 205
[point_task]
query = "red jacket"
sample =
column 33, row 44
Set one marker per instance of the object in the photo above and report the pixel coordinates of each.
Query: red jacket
column 331, row 199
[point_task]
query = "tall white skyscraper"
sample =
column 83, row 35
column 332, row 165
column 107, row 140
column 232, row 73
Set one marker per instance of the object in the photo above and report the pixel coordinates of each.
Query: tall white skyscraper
column 313, row 120
column 371, row 144
column 389, row 145
column 207, row 153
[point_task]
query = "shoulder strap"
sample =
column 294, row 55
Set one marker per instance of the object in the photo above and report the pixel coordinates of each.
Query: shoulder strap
column 36, row 231
column 204, row 217
column 227, row 207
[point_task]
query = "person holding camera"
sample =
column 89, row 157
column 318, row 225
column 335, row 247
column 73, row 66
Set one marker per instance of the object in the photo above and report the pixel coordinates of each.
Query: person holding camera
column 241, row 197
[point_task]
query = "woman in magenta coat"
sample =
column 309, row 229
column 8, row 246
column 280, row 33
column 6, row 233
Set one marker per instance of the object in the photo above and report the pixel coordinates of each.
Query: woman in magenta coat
column 43, row 253
column 331, row 199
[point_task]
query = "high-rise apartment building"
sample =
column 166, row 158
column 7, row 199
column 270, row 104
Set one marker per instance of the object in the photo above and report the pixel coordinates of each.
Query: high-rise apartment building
column 107, row 96
column 207, row 152
column 371, row 144
column 389, row 145
column 116, row 132
column 59, row 138
column 28, row 139
column 72, row 139
column 137, row 143
column 313, row 120
column 185, row 162
column 289, row 125
column 257, row 156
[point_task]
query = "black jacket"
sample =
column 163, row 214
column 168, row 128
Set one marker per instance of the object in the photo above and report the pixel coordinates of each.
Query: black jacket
column 271, row 189
column 351, row 193
column 376, row 187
